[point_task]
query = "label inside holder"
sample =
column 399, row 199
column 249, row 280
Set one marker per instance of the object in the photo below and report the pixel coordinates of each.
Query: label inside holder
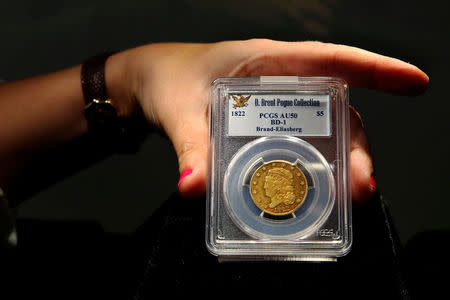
column 279, row 114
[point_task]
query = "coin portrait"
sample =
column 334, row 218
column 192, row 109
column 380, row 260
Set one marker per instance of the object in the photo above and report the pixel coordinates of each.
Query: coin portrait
column 278, row 187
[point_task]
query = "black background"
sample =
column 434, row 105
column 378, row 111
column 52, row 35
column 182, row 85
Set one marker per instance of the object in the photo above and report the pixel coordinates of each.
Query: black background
column 408, row 136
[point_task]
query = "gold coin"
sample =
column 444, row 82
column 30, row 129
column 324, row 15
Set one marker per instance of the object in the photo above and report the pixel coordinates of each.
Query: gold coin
column 278, row 187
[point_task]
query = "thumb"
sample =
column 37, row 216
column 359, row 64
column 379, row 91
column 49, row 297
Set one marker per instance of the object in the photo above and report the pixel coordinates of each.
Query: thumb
column 190, row 140
column 361, row 165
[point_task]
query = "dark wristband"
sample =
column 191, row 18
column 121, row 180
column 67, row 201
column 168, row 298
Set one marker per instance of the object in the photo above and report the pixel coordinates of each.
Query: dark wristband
column 123, row 134
column 99, row 110
column 93, row 78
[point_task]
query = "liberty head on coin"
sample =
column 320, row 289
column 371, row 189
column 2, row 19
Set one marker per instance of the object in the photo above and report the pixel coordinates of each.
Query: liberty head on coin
column 278, row 187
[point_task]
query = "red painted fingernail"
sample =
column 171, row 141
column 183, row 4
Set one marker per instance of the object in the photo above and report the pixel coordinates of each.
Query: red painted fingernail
column 372, row 183
column 183, row 175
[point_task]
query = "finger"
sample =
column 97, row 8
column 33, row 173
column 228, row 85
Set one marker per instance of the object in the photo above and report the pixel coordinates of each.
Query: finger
column 358, row 67
column 190, row 140
column 361, row 164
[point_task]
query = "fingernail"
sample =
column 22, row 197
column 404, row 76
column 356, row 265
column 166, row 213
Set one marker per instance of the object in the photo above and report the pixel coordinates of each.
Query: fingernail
column 183, row 175
column 372, row 183
column 357, row 114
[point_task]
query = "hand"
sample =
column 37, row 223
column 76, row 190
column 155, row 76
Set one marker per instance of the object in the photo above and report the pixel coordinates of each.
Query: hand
column 171, row 83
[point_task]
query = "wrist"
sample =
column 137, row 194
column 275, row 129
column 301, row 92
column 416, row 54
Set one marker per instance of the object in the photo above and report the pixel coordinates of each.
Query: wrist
column 119, row 83
column 112, row 111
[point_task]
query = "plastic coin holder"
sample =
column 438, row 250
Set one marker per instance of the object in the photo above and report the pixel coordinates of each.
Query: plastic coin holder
column 260, row 123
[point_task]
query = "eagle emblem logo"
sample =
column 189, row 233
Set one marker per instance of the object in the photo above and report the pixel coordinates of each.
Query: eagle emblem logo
column 241, row 101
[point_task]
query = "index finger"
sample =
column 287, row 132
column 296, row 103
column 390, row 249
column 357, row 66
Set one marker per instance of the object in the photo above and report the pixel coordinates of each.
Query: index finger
column 358, row 67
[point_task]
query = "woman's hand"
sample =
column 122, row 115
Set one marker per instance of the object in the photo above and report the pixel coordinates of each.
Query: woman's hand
column 171, row 83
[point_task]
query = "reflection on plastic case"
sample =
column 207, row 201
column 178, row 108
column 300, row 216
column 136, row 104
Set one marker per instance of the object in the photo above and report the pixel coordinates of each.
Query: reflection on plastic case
column 279, row 169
